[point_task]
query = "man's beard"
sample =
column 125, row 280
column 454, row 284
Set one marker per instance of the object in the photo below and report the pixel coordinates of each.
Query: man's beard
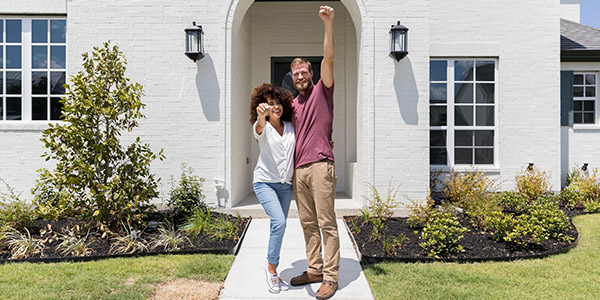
column 303, row 86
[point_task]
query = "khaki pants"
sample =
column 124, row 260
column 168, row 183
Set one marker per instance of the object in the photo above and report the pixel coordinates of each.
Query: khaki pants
column 314, row 188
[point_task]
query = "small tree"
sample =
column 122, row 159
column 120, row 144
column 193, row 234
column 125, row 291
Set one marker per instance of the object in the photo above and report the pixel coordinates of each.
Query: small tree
column 95, row 176
column 187, row 194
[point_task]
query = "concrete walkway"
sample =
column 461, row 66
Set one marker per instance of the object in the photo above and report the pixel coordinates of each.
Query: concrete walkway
column 246, row 279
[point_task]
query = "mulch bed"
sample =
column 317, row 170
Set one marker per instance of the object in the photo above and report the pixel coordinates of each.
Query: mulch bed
column 478, row 244
column 100, row 247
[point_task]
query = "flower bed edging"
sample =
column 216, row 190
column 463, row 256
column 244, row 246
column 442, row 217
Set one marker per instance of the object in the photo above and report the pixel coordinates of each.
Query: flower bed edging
column 232, row 250
column 367, row 259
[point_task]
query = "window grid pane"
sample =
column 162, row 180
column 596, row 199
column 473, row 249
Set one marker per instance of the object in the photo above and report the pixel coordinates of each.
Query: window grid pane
column 584, row 98
column 472, row 105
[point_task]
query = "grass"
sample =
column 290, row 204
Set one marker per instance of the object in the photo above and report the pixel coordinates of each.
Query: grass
column 118, row 278
column 573, row 275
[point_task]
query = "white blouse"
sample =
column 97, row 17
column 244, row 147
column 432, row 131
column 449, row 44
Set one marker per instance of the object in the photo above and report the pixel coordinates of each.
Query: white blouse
column 276, row 157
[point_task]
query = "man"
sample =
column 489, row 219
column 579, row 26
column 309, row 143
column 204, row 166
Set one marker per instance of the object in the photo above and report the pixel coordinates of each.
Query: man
column 314, row 176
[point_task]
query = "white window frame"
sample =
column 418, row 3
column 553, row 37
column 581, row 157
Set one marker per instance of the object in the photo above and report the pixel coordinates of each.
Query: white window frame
column 26, row 71
column 595, row 99
column 450, row 128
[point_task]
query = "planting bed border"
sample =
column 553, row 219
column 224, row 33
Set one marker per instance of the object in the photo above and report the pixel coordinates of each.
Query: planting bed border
column 233, row 250
column 366, row 259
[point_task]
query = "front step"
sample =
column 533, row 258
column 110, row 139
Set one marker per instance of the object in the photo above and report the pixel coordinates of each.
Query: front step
column 250, row 207
column 344, row 206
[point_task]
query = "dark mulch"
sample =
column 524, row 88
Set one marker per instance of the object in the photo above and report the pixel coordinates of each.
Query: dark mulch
column 478, row 244
column 100, row 247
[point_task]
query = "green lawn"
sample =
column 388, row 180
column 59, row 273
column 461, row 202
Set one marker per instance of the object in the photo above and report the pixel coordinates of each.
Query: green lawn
column 574, row 275
column 119, row 278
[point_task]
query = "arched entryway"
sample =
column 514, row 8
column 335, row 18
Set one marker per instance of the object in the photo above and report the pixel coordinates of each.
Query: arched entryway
column 264, row 32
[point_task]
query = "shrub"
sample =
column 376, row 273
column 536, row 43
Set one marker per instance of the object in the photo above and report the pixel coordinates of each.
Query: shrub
column 188, row 194
column 381, row 208
column 377, row 228
column 533, row 182
column 222, row 228
column 512, row 202
column 442, row 235
column 129, row 242
column 355, row 229
column 169, row 239
column 73, row 244
column 582, row 191
column 591, row 206
column 552, row 220
column 420, row 213
column 462, row 187
column 95, row 176
column 539, row 224
column 587, row 186
column 479, row 208
column 198, row 222
column 391, row 243
column 201, row 221
column 14, row 212
column 22, row 245
column 570, row 198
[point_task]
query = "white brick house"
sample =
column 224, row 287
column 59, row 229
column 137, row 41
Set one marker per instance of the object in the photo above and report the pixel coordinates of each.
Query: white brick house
column 491, row 69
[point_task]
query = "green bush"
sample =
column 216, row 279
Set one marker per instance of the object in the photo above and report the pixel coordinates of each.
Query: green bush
column 379, row 207
column 14, row 212
column 533, row 182
column 462, row 187
column 95, row 176
column 570, row 198
column 586, row 187
column 513, row 202
column 540, row 223
column 442, row 235
column 203, row 222
column 420, row 213
column 187, row 194
column 479, row 207
column 591, row 206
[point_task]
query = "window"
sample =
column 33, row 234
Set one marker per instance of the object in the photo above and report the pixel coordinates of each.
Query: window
column 32, row 68
column 584, row 98
column 462, row 111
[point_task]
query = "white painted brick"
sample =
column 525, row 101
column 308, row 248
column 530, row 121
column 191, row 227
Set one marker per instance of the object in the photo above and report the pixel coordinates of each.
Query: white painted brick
column 198, row 112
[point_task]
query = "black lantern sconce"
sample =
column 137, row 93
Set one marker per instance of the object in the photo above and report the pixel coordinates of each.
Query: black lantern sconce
column 398, row 41
column 194, row 42
column 530, row 166
column 585, row 167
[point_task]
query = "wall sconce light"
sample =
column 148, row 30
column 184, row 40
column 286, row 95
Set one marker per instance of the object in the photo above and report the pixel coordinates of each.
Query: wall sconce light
column 398, row 41
column 584, row 168
column 194, row 42
column 530, row 167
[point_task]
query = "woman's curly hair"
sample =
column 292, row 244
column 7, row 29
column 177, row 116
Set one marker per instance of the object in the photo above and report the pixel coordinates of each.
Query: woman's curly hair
column 266, row 90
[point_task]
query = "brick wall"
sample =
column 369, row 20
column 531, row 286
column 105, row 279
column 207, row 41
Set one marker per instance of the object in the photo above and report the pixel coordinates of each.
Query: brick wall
column 197, row 112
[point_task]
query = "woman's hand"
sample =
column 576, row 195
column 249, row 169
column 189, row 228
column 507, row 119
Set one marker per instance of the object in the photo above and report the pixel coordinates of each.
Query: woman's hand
column 262, row 110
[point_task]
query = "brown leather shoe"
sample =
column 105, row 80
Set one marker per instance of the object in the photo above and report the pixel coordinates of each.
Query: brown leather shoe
column 306, row 278
column 326, row 290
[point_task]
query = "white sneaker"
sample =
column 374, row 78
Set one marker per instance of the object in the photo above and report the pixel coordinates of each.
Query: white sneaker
column 283, row 285
column 272, row 281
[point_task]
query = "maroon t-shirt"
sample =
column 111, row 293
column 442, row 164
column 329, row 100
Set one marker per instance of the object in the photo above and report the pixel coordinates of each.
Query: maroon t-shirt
column 313, row 123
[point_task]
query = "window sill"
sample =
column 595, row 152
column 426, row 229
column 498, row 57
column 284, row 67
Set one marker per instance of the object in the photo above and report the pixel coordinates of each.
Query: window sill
column 586, row 127
column 464, row 168
column 26, row 125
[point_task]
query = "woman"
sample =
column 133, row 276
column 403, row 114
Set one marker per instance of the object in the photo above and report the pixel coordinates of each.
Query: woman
column 270, row 115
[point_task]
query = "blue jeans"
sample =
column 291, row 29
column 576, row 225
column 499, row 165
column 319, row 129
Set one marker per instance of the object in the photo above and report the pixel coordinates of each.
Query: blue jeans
column 275, row 198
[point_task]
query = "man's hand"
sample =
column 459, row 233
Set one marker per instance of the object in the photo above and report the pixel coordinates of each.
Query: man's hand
column 326, row 14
